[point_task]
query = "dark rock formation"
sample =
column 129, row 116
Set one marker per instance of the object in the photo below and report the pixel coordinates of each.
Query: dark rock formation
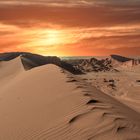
column 120, row 58
column 117, row 59
column 109, row 64
column 93, row 64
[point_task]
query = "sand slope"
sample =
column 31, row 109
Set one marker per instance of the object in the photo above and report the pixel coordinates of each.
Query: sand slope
column 123, row 85
column 9, row 70
column 46, row 103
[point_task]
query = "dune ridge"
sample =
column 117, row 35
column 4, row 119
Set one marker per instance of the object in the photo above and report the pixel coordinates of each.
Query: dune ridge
column 50, row 103
column 31, row 60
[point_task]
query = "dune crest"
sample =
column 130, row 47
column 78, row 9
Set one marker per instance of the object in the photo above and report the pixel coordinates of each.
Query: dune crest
column 9, row 69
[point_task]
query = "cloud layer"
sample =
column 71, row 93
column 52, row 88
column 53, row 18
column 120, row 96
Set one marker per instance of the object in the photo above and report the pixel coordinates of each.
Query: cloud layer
column 85, row 25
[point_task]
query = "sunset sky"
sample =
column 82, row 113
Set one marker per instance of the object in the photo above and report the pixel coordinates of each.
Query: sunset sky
column 70, row 27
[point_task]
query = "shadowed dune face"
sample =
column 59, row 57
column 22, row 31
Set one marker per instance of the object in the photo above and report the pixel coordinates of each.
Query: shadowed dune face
column 120, row 58
column 49, row 103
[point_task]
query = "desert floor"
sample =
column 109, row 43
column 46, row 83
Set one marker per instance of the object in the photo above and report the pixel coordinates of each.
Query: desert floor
column 49, row 103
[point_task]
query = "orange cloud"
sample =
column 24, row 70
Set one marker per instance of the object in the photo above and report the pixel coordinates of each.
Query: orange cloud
column 70, row 27
column 65, row 41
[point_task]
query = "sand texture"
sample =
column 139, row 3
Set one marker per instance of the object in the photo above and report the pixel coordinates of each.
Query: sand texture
column 50, row 103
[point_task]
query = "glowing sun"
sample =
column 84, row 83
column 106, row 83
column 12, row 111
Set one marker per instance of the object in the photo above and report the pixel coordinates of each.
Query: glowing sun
column 50, row 38
column 49, row 41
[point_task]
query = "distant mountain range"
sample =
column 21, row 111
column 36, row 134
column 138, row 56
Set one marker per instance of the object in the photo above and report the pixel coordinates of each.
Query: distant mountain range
column 75, row 66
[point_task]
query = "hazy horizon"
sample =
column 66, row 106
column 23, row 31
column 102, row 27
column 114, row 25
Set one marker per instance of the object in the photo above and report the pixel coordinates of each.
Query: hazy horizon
column 81, row 57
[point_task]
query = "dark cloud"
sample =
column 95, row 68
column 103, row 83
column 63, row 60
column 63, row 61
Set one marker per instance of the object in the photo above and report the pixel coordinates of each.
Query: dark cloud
column 69, row 3
column 70, row 16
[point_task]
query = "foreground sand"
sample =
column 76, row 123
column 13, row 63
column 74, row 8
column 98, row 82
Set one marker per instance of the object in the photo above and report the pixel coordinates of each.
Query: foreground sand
column 47, row 103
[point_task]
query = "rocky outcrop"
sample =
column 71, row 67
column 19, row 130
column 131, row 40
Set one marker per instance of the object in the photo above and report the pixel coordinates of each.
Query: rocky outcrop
column 120, row 58
column 93, row 64
column 111, row 63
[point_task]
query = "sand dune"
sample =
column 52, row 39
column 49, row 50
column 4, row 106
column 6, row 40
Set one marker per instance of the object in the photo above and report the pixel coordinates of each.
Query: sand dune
column 49, row 103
